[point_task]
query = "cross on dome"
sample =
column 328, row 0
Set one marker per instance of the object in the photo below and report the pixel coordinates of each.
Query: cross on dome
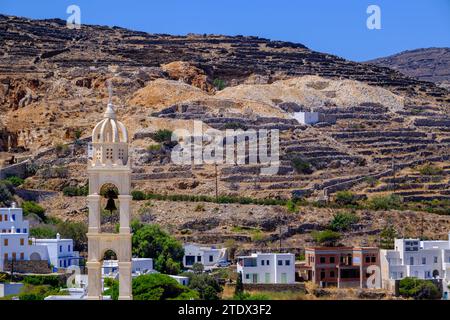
column 110, row 113
column 109, row 130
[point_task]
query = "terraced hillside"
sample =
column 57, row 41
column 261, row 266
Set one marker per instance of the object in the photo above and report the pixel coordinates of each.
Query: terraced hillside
column 427, row 64
column 378, row 133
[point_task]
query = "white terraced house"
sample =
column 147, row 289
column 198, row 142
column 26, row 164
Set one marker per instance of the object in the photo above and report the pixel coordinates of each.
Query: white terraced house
column 414, row 258
column 208, row 256
column 16, row 245
column 60, row 253
column 267, row 268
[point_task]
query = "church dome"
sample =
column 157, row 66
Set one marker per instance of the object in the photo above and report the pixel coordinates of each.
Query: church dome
column 109, row 130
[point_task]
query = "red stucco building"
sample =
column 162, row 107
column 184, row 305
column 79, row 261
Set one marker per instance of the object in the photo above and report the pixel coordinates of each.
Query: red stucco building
column 342, row 267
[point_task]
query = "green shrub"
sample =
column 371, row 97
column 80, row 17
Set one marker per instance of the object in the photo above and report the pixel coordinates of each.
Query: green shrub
column 248, row 296
column 291, row 206
column 219, row 84
column 31, row 296
column 430, row 170
column 207, row 286
column 50, row 280
column 371, row 181
column 31, row 207
column 345, row 198
column 61, row 148
column 138, row 195
column 15, row 181
column 162, row 136
column 343, row 221
column 234, row 126
column 78, row 133
column 391, row 201
column 155, row 286
column 75, row 191
column 150, row 241
column 43, row 232
column 199, row 208
column 326, row 237
column 154, row 147
column 302, row 166
column 418, row 289
column 76, row 231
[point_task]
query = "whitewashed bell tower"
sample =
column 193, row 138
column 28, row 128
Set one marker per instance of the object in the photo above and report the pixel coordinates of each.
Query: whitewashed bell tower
column 109, row 164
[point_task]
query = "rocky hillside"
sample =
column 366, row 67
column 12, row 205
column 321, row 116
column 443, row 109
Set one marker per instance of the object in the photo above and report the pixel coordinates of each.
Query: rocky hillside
column 378, row 127
column 431, row 64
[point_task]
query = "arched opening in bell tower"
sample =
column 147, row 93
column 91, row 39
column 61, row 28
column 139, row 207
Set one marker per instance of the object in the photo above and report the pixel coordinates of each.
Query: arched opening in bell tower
column 110, row 274
column 110, row 208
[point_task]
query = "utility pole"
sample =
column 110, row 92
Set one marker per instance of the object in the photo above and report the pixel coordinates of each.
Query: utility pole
column 279, row 236
column 217, row 183
column 421, row 227
column 393, row 174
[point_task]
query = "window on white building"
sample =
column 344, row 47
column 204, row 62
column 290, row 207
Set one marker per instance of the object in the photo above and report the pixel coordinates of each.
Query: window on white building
column 287, row 262
column 411, row 260
column 280, row 262
column 424, row 260
column 60, row 248
column 247, row 276
column 435, row 259
column 262, row 262
column 68, row 248
column 211, row 258
column 267, row 262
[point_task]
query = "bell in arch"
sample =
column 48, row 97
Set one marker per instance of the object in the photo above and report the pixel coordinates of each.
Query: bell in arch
column 110, row 204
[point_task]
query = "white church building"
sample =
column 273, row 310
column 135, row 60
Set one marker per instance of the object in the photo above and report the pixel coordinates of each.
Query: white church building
column 420, row 259
column 16, row 245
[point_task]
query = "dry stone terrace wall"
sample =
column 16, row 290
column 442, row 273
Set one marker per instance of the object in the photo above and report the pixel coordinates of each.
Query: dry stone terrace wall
column 28, row 266
column 369, row 151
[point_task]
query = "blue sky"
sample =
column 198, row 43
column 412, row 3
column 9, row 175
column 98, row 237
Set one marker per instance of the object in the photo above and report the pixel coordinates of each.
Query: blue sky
column 337, row 27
